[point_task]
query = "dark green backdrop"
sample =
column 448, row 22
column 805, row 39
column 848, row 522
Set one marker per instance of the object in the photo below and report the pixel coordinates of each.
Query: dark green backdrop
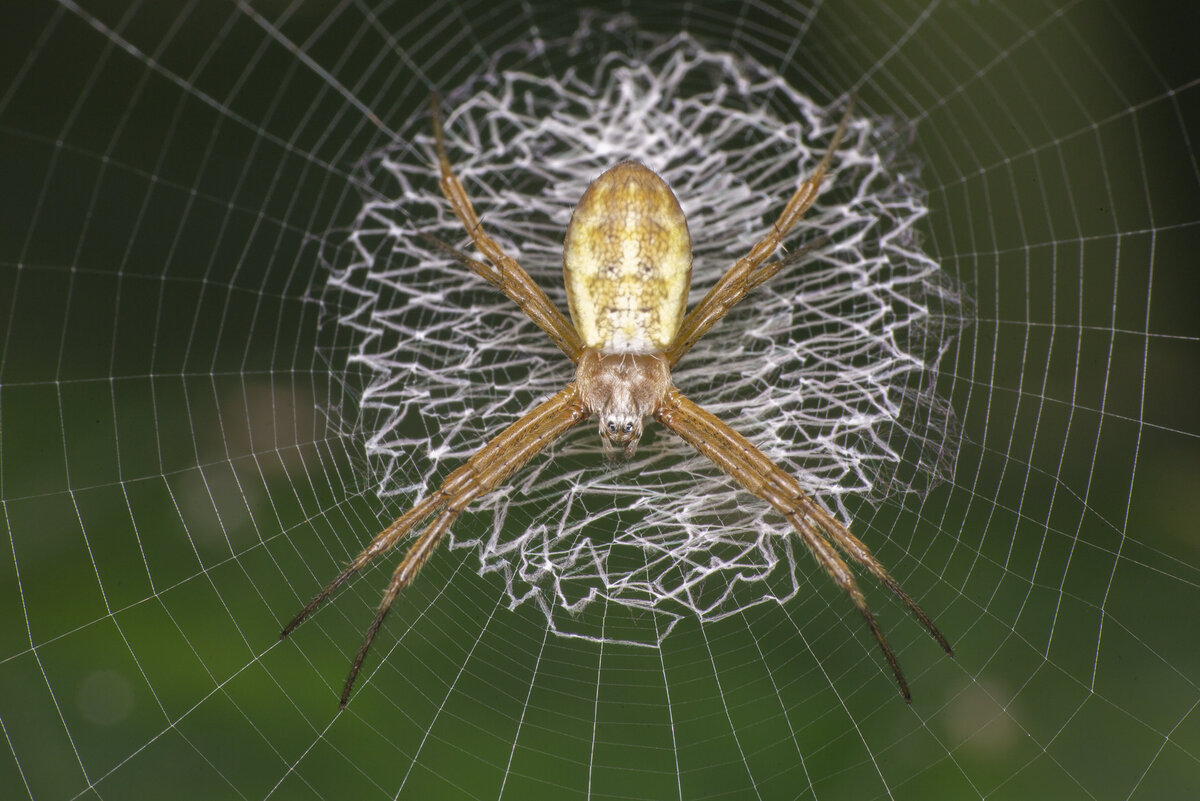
column 174, row 486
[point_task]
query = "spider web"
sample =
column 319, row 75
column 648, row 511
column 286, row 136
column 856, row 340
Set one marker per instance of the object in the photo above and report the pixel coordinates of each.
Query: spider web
column 832, row 368
column 201, row 417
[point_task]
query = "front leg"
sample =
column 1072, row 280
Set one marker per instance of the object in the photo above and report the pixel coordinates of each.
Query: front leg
column 487, row 469
column 820, row 531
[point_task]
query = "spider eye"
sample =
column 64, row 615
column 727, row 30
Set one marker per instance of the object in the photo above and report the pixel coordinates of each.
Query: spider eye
column 628, row 427
column 612, row 427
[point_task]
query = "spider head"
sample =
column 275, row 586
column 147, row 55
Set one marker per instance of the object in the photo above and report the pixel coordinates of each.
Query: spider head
column 619, row 428
column 622, row 390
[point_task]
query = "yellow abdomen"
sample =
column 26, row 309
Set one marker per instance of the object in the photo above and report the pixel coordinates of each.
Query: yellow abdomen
column 627, row 261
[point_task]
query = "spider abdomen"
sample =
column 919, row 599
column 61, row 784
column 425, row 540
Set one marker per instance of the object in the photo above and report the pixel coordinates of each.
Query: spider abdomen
column 627, row 262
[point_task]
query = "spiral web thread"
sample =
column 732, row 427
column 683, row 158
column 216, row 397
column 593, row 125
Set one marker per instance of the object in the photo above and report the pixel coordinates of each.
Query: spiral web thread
column 831, row 368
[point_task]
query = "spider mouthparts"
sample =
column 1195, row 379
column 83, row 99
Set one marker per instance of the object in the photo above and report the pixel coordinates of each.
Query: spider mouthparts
column 614, row 454
column 611, row 454
column 619, row 445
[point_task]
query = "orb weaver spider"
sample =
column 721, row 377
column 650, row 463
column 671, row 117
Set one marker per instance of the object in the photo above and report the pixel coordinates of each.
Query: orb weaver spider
column 627, row 261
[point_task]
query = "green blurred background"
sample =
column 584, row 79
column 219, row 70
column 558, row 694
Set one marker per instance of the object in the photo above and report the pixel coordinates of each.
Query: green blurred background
column 177, row 475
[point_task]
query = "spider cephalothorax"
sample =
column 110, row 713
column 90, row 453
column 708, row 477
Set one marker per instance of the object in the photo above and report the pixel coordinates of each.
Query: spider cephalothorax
column 622, row 390
column 627, row 262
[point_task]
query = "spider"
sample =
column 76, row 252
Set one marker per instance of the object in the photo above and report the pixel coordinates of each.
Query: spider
column 627, row 262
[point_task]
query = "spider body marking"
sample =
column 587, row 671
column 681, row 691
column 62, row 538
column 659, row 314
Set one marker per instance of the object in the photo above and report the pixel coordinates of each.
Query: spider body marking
column 627, row 262
column 627, row 265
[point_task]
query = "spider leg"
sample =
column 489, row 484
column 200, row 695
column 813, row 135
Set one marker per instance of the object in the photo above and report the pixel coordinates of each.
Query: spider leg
column 747, row 272
column 820, row 532
column 482, row 473
column 503, row 272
